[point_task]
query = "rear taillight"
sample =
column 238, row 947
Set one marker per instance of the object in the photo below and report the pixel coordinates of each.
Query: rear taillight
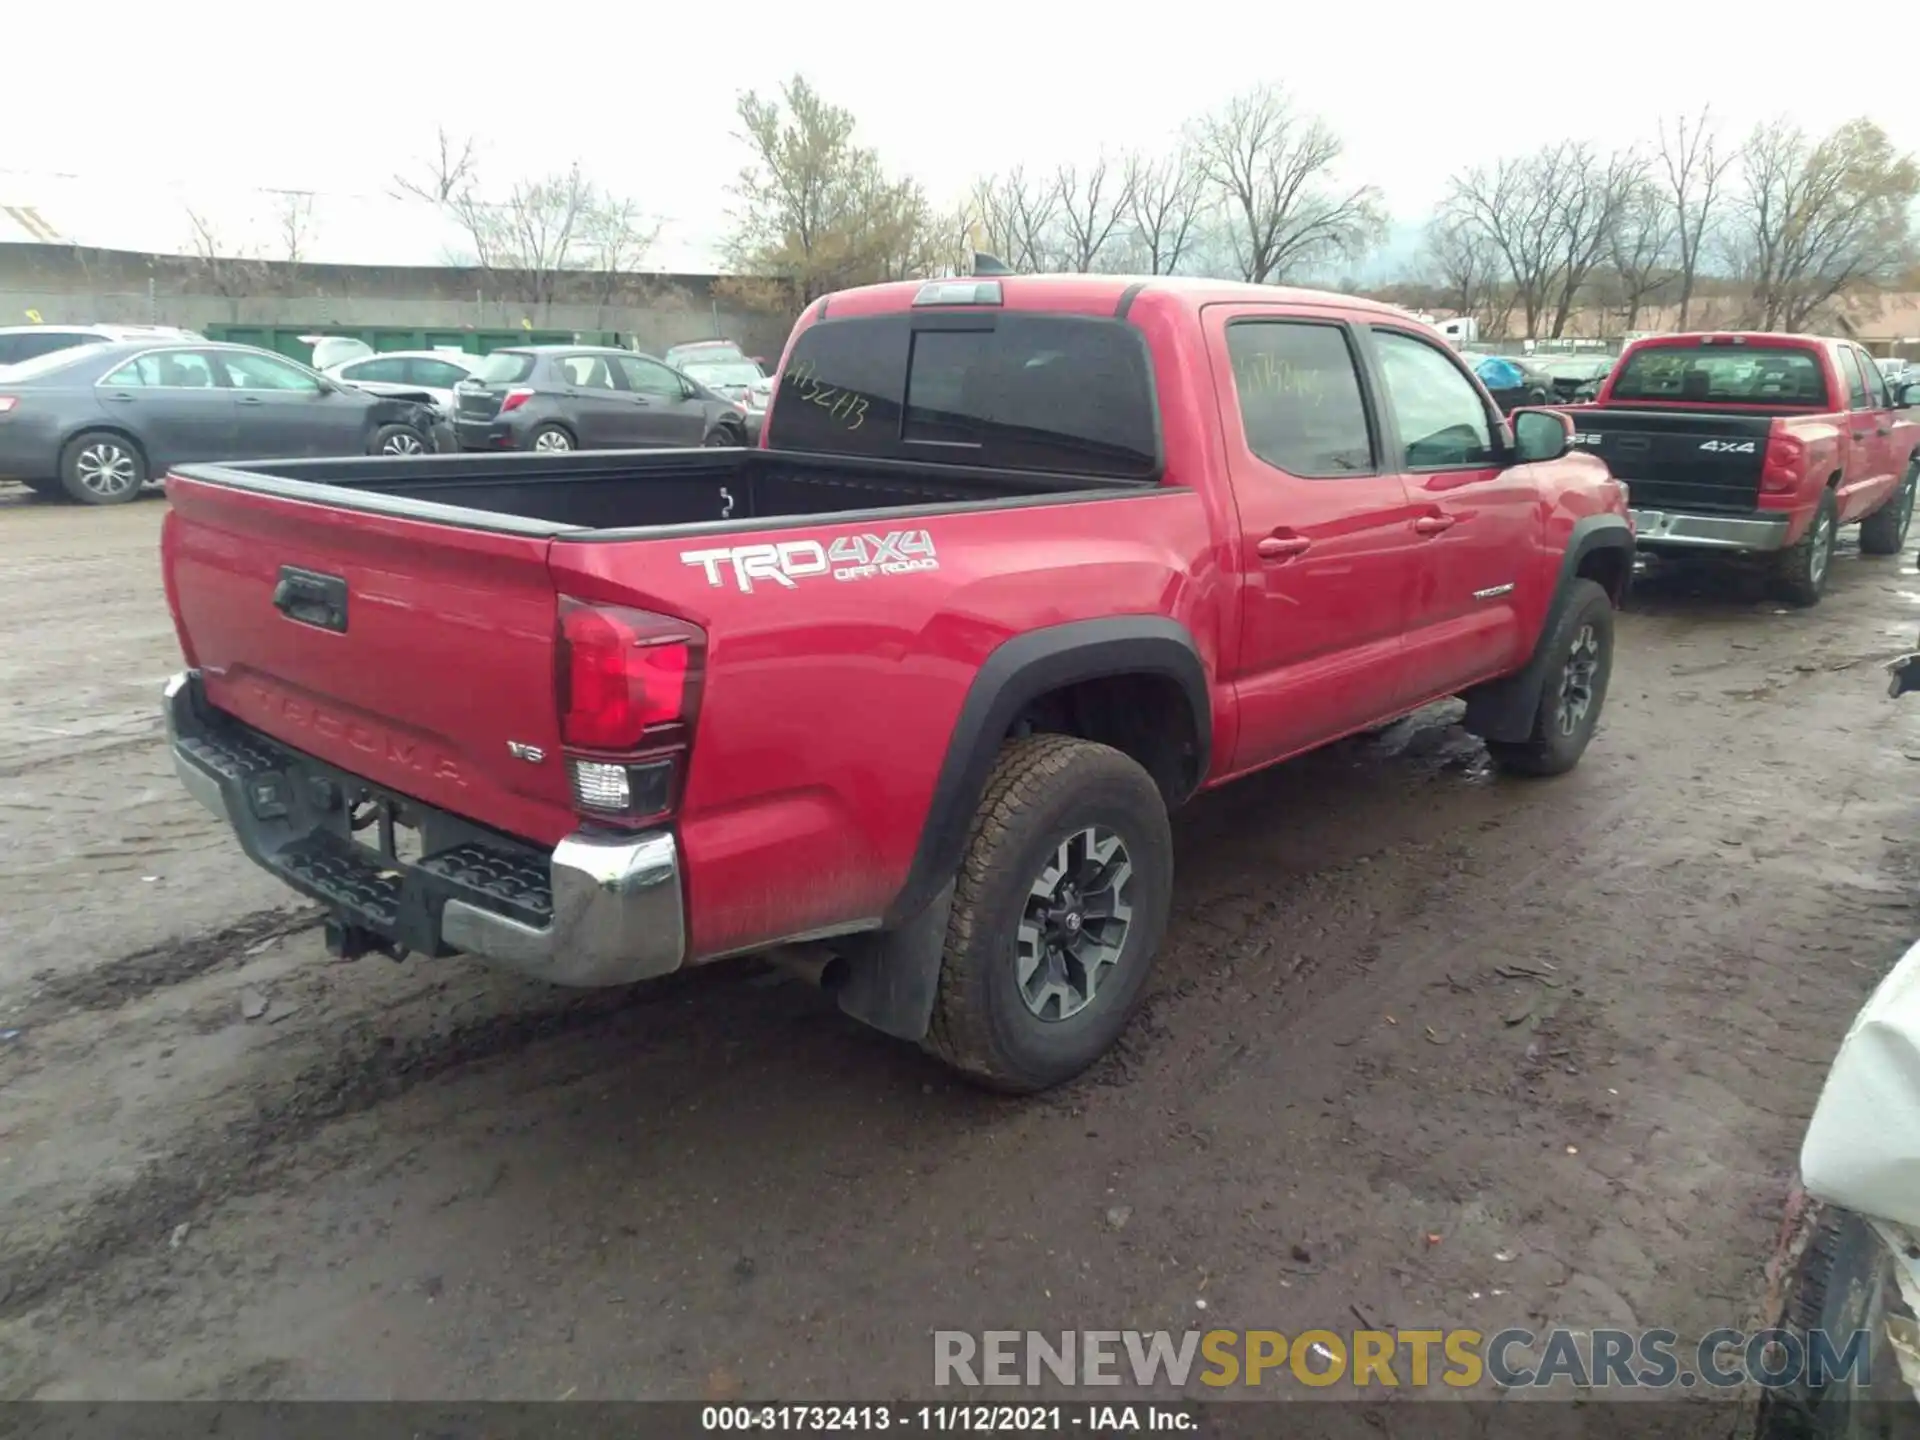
column 515, row 398
column 628, row 686
column 7, row 402
column 1785, row 463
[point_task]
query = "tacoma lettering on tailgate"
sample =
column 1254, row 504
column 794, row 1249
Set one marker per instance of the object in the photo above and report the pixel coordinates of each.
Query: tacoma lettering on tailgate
column 847, row 557
column 367, row 739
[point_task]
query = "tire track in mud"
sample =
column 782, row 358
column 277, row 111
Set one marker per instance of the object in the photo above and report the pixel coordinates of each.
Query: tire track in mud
column 155, row 967
column 368, row 1067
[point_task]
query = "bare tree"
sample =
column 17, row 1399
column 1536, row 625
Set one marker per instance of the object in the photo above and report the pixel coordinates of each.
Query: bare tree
column 529, row 238
column 614, row 238
column 1273, row 174
column 1017, row 219
column 225, row 267
column 1166, row 200
column 1694, row 168
column 1466, row 269
column 445, row 175
column 1588, row 196
column 293, row 224
column 1513, row 207
column 1821, row 220
column 1641, row 249
column 1094, row 200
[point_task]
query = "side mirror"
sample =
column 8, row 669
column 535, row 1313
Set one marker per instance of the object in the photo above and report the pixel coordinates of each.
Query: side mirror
column 1540, row 435
column 327, row 387
column 1907, row 396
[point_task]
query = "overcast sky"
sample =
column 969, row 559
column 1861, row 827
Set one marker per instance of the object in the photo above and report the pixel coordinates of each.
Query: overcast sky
column 643, row 93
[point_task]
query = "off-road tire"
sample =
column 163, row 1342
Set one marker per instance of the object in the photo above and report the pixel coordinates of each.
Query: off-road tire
column 1884, row 532
column 1043, row 789
column 73, row 461
column 1800, row 572
column 1549, row 749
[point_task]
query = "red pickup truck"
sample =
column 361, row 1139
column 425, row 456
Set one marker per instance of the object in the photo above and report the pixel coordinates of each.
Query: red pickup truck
column 1020, row 565
column 1757, row 444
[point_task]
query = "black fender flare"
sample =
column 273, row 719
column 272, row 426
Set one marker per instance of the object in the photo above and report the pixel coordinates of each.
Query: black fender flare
column 1504, row 709
column 893, row 973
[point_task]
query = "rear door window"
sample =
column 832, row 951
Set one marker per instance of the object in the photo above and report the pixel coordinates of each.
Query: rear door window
column 166, row 370
column 1300, row 400
column 385, row 372
column 1006, row 390
column 1856, row 379
column 436, row 374
column 587, row 372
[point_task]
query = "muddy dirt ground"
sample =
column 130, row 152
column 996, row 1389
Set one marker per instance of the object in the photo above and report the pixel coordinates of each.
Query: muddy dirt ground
column 1425, row 1047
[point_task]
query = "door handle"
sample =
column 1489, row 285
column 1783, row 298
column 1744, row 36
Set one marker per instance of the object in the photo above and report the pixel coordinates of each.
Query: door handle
column 1434, row 524
column 1282, row 547
column 122, row 396
column 1884, row 430
column 251, row 400
column 1861, row 434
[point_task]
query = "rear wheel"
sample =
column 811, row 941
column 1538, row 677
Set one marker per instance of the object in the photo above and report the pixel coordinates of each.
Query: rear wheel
column 1579, row 664
column 1800, row 573
column 1885, row 531
column 551, row 440
column 398, row 440
column 1059, row 908
column 102, row 468
column 724, row 434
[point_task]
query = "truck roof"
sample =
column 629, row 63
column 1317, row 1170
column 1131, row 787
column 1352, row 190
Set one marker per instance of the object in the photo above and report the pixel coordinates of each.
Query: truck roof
column 1104, row 292
column 1775, row 338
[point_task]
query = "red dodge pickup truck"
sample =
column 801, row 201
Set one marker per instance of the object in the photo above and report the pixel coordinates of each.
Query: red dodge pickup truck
column 1020, row 565
column 1758, row 444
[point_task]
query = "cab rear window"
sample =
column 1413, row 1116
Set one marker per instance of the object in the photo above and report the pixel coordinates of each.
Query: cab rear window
column 1006, row 390
column 1736, row 374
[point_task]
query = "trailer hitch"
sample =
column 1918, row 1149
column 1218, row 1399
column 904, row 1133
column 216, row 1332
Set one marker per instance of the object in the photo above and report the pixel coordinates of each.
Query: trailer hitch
column 350, row 942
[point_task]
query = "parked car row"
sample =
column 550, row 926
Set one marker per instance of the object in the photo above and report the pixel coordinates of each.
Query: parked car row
column 93, row 412
column 95, row 422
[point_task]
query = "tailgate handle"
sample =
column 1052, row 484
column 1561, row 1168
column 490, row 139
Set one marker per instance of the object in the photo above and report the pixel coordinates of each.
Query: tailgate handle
column 312, row 598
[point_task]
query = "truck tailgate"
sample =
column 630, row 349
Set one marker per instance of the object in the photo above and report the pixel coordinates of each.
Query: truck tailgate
column 407, row 652
column 1691, row 460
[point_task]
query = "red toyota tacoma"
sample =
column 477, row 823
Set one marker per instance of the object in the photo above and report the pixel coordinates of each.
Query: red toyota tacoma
column 1020, row 565
column 1757, row 444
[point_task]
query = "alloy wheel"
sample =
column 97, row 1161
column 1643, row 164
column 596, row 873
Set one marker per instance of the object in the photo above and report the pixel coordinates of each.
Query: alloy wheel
column 1075, row 924
column 106, row 469
column 1578, row 680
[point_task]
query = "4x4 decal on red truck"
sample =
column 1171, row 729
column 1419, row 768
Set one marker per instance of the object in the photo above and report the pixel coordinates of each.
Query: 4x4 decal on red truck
column 847, row 557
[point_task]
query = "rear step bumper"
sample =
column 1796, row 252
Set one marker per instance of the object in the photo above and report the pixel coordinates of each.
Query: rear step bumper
column 599, row 909
column 1709, row 532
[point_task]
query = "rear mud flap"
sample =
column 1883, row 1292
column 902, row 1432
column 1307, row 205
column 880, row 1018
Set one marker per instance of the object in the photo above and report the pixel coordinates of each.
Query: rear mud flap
column 893, row 975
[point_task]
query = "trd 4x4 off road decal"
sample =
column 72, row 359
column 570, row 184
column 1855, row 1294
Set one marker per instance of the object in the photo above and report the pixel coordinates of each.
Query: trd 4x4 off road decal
column 847, row 557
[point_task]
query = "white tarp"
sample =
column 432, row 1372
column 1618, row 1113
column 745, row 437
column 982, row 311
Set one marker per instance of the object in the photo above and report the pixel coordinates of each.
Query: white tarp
column 1862, row 1150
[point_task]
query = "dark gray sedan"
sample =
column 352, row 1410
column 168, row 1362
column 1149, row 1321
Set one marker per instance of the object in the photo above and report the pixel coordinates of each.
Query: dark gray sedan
column 96, row 422
column 585, row 397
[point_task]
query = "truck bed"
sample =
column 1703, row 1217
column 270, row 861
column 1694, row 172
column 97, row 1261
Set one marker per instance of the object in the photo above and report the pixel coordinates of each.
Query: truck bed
column 640, row 490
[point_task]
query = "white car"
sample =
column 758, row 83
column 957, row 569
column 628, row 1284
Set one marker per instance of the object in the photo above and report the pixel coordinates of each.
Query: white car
column 393, row 372
column 20, row 343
